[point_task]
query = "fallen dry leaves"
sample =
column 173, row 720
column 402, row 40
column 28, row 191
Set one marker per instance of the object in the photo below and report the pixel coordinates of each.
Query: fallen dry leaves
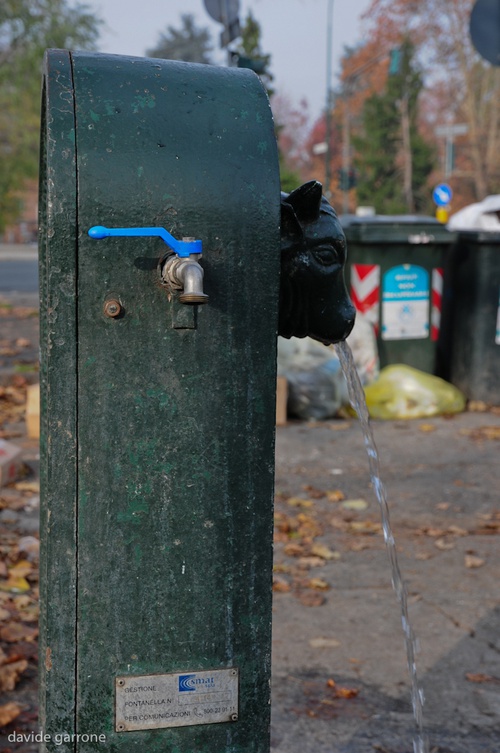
column 311, row 598
column 480, row 677
column 440, row 532
column 281, row 585
column 341, row 691
column 317, row 583
column 12, row 407
column 28, row 486
column 354, row 504
column 9, row 712
column 364, row 527
column 489, row 524
column 327, row 699
column 324, row 643
column 299, row 523
column 299, row 502
column 479, row 406
column 324, row 552
column 313, row 492
column 10, row 674
column 482, row 433
column 18, row 633
column 294, row 549
column 472, row 561
column 14, row 347
column 15, row 632
column 444, row 545
column 335, row 495
column 18, row 312
column 427, row 428
column 19, row 557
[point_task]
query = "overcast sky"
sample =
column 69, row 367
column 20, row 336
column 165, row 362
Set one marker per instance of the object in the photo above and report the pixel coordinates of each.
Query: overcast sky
column 293, row 32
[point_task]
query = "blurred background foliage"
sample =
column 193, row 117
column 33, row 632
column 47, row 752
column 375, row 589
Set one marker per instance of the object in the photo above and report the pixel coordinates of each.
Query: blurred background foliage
column 414, row 74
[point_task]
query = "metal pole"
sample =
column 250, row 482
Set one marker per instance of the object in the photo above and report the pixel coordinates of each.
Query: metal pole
column 328, row 114
column 448, row 156
column 346, row 150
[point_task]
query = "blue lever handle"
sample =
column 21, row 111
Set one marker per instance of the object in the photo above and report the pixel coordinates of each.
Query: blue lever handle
column 181, row 248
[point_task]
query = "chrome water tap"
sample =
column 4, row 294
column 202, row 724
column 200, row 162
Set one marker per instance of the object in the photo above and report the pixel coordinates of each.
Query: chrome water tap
column 180, row 270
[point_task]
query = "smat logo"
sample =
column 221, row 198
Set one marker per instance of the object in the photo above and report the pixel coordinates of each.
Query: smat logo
column 186, row 682
column 189, row 683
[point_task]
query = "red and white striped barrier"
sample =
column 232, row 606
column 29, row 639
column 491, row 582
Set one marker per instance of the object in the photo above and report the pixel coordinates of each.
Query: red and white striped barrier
column 365, row 291
column 436, row 302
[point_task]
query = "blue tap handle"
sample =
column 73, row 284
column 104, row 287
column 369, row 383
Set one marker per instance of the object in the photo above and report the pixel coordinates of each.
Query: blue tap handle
column 181, row 248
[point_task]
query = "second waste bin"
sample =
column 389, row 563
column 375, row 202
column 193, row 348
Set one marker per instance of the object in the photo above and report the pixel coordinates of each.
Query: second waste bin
column 474, row 283
column 395, row 268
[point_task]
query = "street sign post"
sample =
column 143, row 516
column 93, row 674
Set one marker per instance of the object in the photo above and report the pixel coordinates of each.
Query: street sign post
column 226, row 13
column 449, row 131
column 442, row 195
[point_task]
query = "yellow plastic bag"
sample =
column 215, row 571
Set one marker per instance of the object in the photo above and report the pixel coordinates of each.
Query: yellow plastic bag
column 404, row 392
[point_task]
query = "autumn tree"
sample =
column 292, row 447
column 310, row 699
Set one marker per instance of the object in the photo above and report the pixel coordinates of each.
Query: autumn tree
column 293, row 122
column 363, row 72
column 188, row 43
column 315, row 156
column 393, row 160
column 27, row 28
column 469, row 86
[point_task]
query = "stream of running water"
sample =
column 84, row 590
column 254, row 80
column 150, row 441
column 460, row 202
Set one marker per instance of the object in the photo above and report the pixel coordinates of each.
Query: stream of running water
column 358, row 402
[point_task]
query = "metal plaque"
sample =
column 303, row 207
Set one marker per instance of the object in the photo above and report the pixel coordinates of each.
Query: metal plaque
column 176, row 700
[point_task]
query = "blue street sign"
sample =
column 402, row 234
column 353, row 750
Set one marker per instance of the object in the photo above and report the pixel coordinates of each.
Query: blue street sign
column 442, row 195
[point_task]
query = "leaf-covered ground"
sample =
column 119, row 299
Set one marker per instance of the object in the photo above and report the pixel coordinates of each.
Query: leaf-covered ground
column 336, row 684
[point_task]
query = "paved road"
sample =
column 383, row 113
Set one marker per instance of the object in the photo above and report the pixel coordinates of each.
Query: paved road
column 18, row 269
column 442, row 477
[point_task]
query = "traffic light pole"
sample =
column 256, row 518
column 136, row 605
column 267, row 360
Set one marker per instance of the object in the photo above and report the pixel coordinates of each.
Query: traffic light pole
column 328, row 114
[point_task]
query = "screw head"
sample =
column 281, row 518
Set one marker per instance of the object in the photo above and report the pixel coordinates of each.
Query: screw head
column 112, row 308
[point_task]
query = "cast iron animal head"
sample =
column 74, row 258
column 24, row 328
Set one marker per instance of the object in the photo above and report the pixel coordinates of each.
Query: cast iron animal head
column 314, row 301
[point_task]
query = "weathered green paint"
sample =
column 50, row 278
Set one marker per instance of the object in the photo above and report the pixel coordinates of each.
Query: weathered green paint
column 58, row 341
column 166, row 513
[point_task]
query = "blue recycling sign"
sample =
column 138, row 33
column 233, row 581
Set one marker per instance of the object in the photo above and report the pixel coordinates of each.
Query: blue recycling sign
column 405, row 303
column 442, row 195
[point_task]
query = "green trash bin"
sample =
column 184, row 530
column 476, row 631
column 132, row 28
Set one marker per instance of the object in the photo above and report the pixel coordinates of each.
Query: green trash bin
column 474, row 281
column 395, row 265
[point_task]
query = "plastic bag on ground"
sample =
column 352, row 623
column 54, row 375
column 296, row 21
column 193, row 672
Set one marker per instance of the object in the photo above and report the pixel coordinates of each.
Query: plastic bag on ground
column 404, row 392
column 363, row 344
column 316, row 385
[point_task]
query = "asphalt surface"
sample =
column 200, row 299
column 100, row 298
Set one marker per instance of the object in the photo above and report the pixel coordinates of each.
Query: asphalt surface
column 442, row 485
column 340, row 681
column 18, row 269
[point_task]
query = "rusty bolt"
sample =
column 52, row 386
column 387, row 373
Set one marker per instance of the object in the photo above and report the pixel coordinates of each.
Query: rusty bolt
column 112, row 308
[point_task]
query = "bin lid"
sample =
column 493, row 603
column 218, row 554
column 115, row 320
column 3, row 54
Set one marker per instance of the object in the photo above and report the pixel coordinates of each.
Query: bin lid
column 410, row 229
column 485, row 237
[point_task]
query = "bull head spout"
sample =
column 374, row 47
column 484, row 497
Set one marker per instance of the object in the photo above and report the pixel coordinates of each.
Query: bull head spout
column 314, row 301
